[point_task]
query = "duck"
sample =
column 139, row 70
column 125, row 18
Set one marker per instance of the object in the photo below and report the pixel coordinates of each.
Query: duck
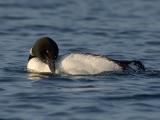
column 44, row 58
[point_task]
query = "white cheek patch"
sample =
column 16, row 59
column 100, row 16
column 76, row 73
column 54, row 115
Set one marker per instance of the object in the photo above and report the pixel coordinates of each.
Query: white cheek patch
column 31, row 52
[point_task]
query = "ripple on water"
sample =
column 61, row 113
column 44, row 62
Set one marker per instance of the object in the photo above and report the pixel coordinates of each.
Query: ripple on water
column 121, row 29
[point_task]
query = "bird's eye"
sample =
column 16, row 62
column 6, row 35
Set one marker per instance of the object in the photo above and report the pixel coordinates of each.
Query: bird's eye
column 47, row 51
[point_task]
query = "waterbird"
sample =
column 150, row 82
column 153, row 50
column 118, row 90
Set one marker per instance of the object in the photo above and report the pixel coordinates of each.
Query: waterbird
column 44, row 58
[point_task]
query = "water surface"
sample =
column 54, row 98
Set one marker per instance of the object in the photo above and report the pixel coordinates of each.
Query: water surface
column 122, row 29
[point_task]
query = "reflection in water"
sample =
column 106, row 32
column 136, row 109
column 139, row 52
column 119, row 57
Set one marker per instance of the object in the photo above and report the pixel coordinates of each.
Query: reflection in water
column 83, row 89
column 36, row 76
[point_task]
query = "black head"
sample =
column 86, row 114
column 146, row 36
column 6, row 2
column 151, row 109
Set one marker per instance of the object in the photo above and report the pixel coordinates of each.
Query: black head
column 45, row 49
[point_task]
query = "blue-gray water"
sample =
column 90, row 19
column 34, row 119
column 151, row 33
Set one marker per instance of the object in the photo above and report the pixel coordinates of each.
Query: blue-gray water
column 122, row 29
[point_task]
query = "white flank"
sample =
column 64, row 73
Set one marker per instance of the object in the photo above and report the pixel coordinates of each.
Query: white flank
column 83, row 64
column 75, row 64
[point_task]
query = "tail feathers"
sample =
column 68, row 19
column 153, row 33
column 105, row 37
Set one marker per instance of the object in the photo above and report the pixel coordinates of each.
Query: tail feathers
column 136, row 65
column 132, row 65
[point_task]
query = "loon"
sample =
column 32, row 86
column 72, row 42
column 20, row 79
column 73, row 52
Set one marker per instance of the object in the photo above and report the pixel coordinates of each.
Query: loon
column 44, row 58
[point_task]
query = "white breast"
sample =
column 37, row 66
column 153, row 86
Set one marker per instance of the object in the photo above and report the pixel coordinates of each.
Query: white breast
column 36, row 65
column 83, row 64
